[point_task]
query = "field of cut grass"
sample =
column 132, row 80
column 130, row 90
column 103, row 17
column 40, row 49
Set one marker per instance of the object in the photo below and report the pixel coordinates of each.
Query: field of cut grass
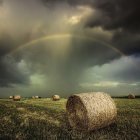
column 44, row 119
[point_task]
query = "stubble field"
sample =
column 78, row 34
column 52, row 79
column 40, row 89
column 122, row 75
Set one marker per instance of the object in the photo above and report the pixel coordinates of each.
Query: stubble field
column 44, row 119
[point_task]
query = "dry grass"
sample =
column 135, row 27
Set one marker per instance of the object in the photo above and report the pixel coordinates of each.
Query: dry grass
column 44, row 119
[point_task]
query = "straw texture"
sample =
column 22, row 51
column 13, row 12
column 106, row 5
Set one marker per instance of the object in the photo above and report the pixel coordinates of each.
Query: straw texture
column 90, row 111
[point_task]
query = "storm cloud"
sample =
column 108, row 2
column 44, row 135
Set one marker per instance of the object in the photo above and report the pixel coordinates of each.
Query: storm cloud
column 83, row 34
column 121, row 17
column 119, row 76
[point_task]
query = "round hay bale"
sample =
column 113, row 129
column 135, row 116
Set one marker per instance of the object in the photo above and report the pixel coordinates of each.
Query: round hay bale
column 90, row 111
column 10, row 97
column 131, row 96
column 33, row 97
column 55, row 97
column 16, row 98
column 36, row 97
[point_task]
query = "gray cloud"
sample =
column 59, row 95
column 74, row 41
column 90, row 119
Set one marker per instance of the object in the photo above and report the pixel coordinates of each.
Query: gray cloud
column 42, row 22
column 123, row 69
column 70, row 2
column 62, row 61
column 10, row 73
column 122, row 17
column 117, row 14
column 20, row 23
column 121, row 76
column 1, row 2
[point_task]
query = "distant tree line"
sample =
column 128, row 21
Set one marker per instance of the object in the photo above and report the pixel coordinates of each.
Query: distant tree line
column 136, row 96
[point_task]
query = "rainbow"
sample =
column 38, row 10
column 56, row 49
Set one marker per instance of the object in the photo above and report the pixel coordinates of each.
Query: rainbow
column 57, row 36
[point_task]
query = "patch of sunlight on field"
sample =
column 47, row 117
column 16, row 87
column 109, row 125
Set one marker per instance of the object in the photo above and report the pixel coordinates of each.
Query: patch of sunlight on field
column 47, row 103
column 128, row 107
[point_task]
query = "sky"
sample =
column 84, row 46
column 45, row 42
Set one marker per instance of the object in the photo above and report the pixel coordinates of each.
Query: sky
column 65, row 47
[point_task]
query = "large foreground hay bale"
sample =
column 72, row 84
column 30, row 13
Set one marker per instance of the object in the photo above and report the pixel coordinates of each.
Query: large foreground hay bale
column 55, row 97
column 90, row 111
column 16, row 98
column 131, row 96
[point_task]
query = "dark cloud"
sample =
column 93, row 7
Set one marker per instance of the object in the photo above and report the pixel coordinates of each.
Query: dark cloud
column 6, row 44
column 10, row 73
column 117, row 14
column 71, row 2
column 62, row 61
column 120, row 76
column 124, row 69
column 127, row 42
column 122, row 17
column 1, row 2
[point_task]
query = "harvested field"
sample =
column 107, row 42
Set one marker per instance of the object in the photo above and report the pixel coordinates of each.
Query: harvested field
column 45, row 119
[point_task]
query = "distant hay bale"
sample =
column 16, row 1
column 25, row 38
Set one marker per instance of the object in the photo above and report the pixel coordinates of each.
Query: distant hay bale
column 36, row 97
column 10, row 97
column 131, row 96
column 55, row 97
column 33, row 97
column 17, row 98
column 90, row 111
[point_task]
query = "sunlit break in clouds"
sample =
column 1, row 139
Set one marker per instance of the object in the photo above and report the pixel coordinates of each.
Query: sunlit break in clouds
column 67, row 47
